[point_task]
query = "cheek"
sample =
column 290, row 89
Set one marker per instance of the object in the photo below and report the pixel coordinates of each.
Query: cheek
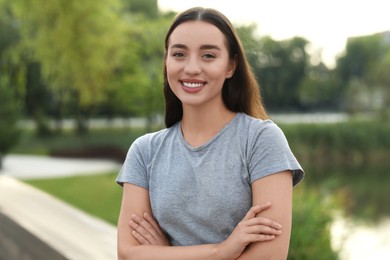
column 171, row 76
column 172, row 68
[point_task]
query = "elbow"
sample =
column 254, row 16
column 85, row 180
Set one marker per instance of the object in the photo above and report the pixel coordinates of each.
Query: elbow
column 125, row 253
column 122, row 254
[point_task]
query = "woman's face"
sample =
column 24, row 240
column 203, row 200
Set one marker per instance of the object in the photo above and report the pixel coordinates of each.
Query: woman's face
column 198, row 63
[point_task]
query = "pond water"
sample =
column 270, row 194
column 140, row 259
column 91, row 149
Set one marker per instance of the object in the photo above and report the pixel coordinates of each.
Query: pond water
column 361, row 225
column 359, row 241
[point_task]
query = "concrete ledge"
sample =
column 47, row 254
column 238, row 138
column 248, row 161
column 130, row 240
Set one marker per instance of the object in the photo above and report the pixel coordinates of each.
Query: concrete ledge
column 18, row 243
column 63, row 228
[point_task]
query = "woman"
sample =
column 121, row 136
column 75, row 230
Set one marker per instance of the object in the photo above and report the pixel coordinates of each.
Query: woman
column 217, row 182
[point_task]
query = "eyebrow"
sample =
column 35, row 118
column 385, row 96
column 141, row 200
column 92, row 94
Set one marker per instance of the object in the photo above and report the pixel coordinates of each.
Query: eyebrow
column 202, row 47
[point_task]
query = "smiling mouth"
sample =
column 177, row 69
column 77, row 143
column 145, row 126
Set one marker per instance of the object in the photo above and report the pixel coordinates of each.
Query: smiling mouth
column 192, row 85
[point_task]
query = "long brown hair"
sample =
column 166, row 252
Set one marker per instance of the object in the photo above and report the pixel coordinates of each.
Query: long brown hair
column 241, row 92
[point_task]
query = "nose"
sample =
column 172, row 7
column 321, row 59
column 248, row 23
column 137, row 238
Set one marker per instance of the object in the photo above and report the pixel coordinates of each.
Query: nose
column 192, row 66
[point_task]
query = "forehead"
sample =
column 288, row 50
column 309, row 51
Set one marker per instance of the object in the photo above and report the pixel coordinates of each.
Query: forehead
column 197, row 32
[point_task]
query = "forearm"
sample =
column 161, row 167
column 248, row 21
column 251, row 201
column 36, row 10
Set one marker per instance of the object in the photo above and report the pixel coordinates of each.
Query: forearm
column 259, row 252
column 141, row 252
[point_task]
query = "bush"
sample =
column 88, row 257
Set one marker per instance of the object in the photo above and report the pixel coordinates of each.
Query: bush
column 348, row 143
column 310, row 236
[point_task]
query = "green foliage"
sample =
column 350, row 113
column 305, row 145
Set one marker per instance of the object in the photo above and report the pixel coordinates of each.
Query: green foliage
column 89, row 57
column 310, row 236
column 148, row 8
column 318, row 91
column 137, row 88
column 360, row 191
column 9, row 115
column 11, row 73
column 98, row 194
column 280, row 68
column 83, row 58
column 359, row 97
column 77, row 43
column 120, row 138
column 381, row 79
column 360, row 56
column 8, row 31
column 362, row 73
column 349, row 143
column 288, row 80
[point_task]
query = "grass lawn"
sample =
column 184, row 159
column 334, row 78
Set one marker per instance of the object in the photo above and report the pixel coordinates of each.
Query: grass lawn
column 97, row 195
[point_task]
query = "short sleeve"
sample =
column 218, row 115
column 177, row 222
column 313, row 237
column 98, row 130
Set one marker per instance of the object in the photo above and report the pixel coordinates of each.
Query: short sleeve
column 134, row 168
column 270, row 153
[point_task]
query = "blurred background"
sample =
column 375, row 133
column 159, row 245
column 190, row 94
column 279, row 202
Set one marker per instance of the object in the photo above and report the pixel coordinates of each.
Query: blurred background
column 83, row 79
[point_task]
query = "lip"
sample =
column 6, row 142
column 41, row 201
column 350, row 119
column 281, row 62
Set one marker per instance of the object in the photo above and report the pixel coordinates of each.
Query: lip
column 191, row 80
column 192, row 85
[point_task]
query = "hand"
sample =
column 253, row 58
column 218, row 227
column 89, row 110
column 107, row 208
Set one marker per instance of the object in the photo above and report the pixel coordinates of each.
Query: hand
column 147, row 231
column 250, row 229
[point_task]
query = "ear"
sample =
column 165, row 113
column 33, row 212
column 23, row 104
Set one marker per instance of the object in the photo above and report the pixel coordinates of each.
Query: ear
column 231, row 67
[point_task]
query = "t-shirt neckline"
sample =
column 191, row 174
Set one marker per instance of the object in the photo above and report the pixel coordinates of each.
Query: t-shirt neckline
column 209, row 142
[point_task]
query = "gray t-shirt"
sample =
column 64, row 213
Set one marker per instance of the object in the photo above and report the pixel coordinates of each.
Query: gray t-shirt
column 199, row 194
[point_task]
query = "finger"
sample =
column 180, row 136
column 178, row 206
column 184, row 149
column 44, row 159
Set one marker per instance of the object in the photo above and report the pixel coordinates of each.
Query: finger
column 250, row 238
column 139, row 238
column 140, row 230
column 151, row 232
column 136, row 218
column 261, row 237
column 253, row 211
column 153, row 222
column 263, row 230
column 263, row 221
column 133, row 225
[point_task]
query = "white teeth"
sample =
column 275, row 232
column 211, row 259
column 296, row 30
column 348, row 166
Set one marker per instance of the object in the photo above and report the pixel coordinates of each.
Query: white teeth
column 192, row 85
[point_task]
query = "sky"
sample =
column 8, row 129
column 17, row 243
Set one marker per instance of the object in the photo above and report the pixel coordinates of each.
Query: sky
column 325, row 24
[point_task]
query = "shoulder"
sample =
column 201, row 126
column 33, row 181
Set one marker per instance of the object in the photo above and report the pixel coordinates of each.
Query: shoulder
column 153, row 139
column 258, row 128
column 144, row 147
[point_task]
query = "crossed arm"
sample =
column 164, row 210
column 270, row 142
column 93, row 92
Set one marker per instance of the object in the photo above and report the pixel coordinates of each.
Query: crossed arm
column 255, row 237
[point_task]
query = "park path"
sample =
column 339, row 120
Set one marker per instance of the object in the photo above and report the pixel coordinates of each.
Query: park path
column 70, row 231
column 33, row 167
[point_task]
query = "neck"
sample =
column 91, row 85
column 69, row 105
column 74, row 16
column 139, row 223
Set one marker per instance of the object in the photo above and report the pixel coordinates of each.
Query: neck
column 200, row 124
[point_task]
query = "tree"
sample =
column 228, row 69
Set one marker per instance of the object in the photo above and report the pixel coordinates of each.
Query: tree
column 9, row 116
column 247, row 34
column 361, row 53
column 137, row 89
column 9, row 77
column 147, row 8
column 280, row 68
column 381, row 79
column 78, row 45
column 318, row 90
column 362, row 72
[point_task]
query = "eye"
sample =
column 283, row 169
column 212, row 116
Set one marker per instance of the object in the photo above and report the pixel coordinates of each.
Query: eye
column 208, row 56
column 178, row 54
